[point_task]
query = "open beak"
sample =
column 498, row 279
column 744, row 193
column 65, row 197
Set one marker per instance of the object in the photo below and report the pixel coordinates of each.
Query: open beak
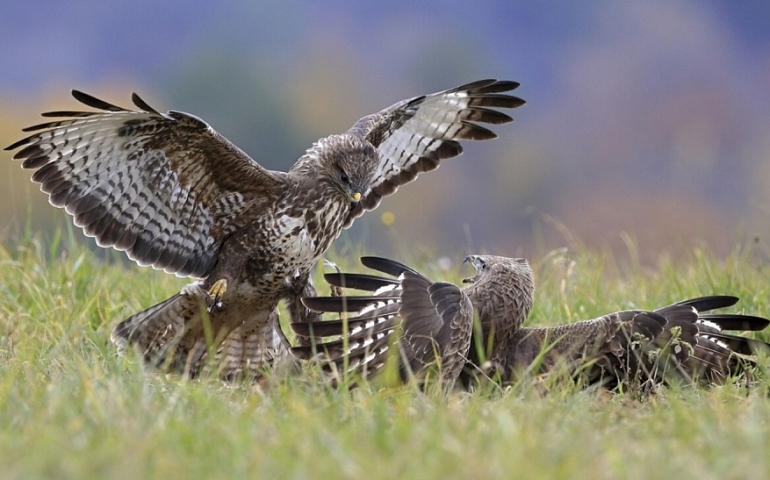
column 471, row 259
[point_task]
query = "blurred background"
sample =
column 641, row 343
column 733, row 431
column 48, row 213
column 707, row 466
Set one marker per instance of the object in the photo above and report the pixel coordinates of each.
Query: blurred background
column 647, row 121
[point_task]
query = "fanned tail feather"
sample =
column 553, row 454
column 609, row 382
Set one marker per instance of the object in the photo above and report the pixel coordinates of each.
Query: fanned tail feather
column 158, row 331
column 252, row 353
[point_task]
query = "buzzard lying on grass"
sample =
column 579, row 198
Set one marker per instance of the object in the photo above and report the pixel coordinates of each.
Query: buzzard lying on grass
column 634, row 347
column 173, row 193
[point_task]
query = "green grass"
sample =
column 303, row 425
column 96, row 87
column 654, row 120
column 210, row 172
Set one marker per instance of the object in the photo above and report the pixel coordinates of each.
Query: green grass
column 71, row 408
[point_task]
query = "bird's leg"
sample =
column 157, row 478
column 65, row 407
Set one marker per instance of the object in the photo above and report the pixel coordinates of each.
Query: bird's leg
column 335, row 291
column 215, row 294
column 297, row 311
column 228, row 272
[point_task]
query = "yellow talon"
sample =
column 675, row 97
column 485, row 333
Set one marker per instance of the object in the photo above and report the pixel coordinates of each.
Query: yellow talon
column 219, row 288
column 216, row 292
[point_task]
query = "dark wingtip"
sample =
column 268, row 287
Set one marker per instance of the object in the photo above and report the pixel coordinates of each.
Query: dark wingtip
column 386, row 265
column 358, row 281
column 710, row 302
column 737, row 322
column 492, row 88
column 16, row 145
column 302, row 352
column 94, row 102
column 141, row 104
column 496, row 86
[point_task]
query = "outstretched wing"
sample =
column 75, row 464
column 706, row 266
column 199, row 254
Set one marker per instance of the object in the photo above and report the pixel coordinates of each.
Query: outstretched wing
column 414, row 135
column 166, row 188
column 429, row 320
column 676, row 341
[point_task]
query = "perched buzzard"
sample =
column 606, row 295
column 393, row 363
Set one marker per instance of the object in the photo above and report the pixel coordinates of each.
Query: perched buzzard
column 173, row 193
column 648, row 347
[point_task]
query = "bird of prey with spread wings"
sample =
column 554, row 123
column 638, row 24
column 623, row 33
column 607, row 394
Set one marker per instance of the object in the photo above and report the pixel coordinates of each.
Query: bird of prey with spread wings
column 679, row 341
column 174, row 194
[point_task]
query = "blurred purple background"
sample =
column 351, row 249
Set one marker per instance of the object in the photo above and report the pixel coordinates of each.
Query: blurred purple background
column 646, row 118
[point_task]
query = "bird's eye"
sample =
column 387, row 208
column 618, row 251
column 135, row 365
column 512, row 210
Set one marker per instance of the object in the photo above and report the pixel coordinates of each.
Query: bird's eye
column 344, row 177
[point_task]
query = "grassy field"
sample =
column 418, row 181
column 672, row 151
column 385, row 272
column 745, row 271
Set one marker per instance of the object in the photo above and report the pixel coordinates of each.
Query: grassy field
column 71, row 408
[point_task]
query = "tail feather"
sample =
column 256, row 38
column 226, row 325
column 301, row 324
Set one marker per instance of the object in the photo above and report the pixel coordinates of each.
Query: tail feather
column 178, row 335
column 250, row 353
column 158, row 332
column 145, row 322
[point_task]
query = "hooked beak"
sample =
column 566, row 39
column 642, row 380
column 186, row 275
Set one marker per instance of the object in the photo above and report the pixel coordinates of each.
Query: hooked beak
column 354, row 198
column 471, row 259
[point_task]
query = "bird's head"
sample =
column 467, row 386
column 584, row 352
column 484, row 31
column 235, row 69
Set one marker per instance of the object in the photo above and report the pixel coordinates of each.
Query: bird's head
column 513, row 272
column 508, row 279
column 496, row 266
column 346, row 164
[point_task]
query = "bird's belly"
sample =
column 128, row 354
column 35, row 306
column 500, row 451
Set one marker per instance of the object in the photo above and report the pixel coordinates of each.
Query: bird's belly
column 293, row 245
column 246, row 302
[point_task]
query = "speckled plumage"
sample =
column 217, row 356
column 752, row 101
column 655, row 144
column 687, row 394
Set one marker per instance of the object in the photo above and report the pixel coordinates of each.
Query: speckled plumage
column 644, row 348
column 641, row 349
column 174, row 194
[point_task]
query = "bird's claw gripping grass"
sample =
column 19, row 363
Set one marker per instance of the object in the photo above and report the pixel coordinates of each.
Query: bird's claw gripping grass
column 215, row 294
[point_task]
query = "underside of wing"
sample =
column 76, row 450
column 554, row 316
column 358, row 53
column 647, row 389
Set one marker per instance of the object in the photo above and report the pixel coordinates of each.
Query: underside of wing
column 430, row 322
column 359, row 343
column 164, row 188
column 414, row 135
